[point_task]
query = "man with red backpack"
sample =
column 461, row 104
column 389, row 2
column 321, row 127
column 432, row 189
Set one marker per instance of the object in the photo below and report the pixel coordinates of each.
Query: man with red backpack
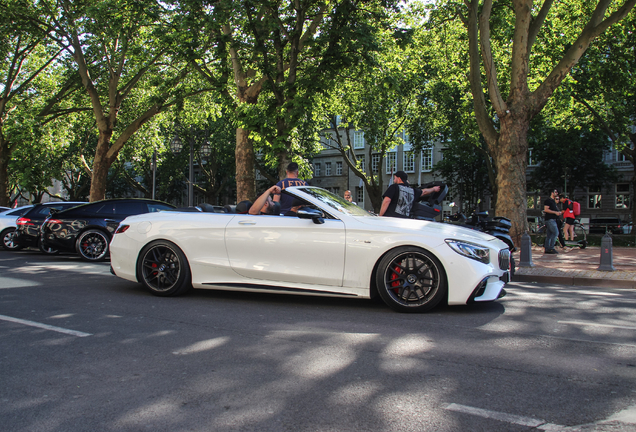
column 568, row 214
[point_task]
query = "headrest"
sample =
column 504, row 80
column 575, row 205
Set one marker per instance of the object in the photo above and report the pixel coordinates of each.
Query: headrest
column 243, row 207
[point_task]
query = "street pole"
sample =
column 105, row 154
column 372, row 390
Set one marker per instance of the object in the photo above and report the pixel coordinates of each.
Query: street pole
column 190, row 177
column 154, row 172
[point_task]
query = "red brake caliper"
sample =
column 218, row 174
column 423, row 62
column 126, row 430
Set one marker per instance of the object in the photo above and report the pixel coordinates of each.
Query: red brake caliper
column 394, row 277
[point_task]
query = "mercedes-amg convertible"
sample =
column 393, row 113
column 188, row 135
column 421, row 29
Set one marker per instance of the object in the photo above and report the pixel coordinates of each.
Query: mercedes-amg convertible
column 331, row 248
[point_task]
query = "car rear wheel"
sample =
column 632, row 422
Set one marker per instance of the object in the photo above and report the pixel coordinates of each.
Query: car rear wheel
column 410, row 279
column 8, row 240
column 92, row 245
column 163, row 269
column 48, row 250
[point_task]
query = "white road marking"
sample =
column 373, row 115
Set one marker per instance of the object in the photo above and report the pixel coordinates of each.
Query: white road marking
column 583, row 323
column 504, row 417
column 44, row 326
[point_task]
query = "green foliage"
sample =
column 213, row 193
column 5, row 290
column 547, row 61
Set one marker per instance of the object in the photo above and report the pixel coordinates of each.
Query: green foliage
column 573, row 155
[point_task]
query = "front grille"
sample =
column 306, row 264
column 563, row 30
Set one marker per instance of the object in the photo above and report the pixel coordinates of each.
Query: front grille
column 504, row 259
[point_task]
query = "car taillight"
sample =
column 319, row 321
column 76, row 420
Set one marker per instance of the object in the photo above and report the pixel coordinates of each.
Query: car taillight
column 23, row 221
column 122, row 229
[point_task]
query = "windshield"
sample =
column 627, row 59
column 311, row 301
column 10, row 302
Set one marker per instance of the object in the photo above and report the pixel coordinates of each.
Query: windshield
column 334, row 202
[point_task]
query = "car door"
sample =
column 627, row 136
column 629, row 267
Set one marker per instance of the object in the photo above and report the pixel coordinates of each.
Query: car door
column 287, row 249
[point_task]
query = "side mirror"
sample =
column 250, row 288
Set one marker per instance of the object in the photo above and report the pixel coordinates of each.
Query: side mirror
column 308, row 213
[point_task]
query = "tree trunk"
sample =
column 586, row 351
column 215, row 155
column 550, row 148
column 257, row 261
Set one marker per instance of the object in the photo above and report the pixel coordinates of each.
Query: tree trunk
column 510, row 157
column 101, row 165
column 5, row 156
column 245, row 186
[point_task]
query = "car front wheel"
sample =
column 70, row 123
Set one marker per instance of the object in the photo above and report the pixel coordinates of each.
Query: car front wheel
column 163, row 269
column 8, row 240
column 92, row 245
column 410, row 279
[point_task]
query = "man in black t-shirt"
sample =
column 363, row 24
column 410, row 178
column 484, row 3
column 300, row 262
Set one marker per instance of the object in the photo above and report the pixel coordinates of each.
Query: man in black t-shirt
column 291, row 180
column 551, row 212
column 399, row 197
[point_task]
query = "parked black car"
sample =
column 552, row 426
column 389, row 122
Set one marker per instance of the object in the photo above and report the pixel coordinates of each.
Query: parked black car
column 27, row 232
column 611, row 225
column 88, row 229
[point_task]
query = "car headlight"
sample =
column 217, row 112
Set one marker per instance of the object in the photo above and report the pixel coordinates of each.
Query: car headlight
column 470, row 250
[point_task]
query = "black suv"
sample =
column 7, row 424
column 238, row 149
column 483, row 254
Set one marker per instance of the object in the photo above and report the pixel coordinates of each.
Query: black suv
column 27, row 232
column 88, row 229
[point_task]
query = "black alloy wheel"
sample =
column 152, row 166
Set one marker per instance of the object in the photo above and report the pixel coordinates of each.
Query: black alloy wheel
column 410, row 279
column 47, row 250
column 8, row 240
column 163, row 269
column 92, row 245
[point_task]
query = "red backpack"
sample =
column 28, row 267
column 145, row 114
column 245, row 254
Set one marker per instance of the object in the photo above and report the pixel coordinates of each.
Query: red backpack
column 576, row 208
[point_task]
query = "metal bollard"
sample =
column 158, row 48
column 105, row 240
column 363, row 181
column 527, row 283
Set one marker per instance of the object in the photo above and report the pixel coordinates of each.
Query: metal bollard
column 606, row 254
column 525, row 254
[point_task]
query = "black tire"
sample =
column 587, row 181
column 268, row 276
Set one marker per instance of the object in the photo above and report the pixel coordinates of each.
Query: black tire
column 163, row 269
column 8, row 237
column 410, row 279
column 47, row 250
column 92, row 245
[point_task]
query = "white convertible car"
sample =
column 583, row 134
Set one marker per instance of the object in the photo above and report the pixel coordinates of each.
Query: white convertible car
column 332, row 248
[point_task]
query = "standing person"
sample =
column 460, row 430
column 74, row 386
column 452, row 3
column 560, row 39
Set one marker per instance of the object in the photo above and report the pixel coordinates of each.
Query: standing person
column 568, row 214
column 291, row 180
column 551, row 214
column 348, row 197
column 399, row 197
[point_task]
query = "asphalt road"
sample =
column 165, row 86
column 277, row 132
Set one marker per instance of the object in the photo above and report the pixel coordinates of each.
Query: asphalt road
column 82, row 350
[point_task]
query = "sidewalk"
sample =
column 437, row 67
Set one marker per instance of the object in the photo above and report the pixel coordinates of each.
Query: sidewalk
column 579, row 267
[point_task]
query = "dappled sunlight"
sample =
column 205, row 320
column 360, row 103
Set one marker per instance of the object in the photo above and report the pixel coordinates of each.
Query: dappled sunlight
column 355, row 394
column 9, row 282
column 408, row 345
column 61, row 316
column 202, row 346
column 152, row 412
column 320, row 362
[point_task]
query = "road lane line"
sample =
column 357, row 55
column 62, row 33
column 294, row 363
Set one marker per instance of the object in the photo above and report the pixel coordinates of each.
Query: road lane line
column 504, row 417
column 44, row 326
column 583, row 323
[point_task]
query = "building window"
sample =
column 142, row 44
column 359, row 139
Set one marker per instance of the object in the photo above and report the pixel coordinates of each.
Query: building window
column 358, row 140
column 531, row 160
column 259, row 176
column 362, row 162
column 317, row 170
column 360, row 195
column 375, row 163
column 327, row 168
column 408, row 161
column 338, row 168
column 336, row 191
column 594, row 198
column 427, row 160
column 391, row 162
column 622, row 196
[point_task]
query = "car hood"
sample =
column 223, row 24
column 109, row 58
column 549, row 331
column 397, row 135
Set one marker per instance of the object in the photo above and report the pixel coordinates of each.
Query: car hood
column 445, row 230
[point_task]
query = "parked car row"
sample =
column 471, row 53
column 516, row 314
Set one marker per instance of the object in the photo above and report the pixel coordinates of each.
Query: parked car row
column 76, row 227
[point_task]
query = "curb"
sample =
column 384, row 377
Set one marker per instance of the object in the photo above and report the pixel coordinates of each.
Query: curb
column 574, row 280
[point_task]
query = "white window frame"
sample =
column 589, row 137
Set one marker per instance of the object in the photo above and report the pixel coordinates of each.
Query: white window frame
column 360, row 195
column 426, row 160
column 390, row 163
column 358, row 140
column 327, row 168
column 338, row 168
column 408, row 161
column 375, row 163
column 317, row 169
